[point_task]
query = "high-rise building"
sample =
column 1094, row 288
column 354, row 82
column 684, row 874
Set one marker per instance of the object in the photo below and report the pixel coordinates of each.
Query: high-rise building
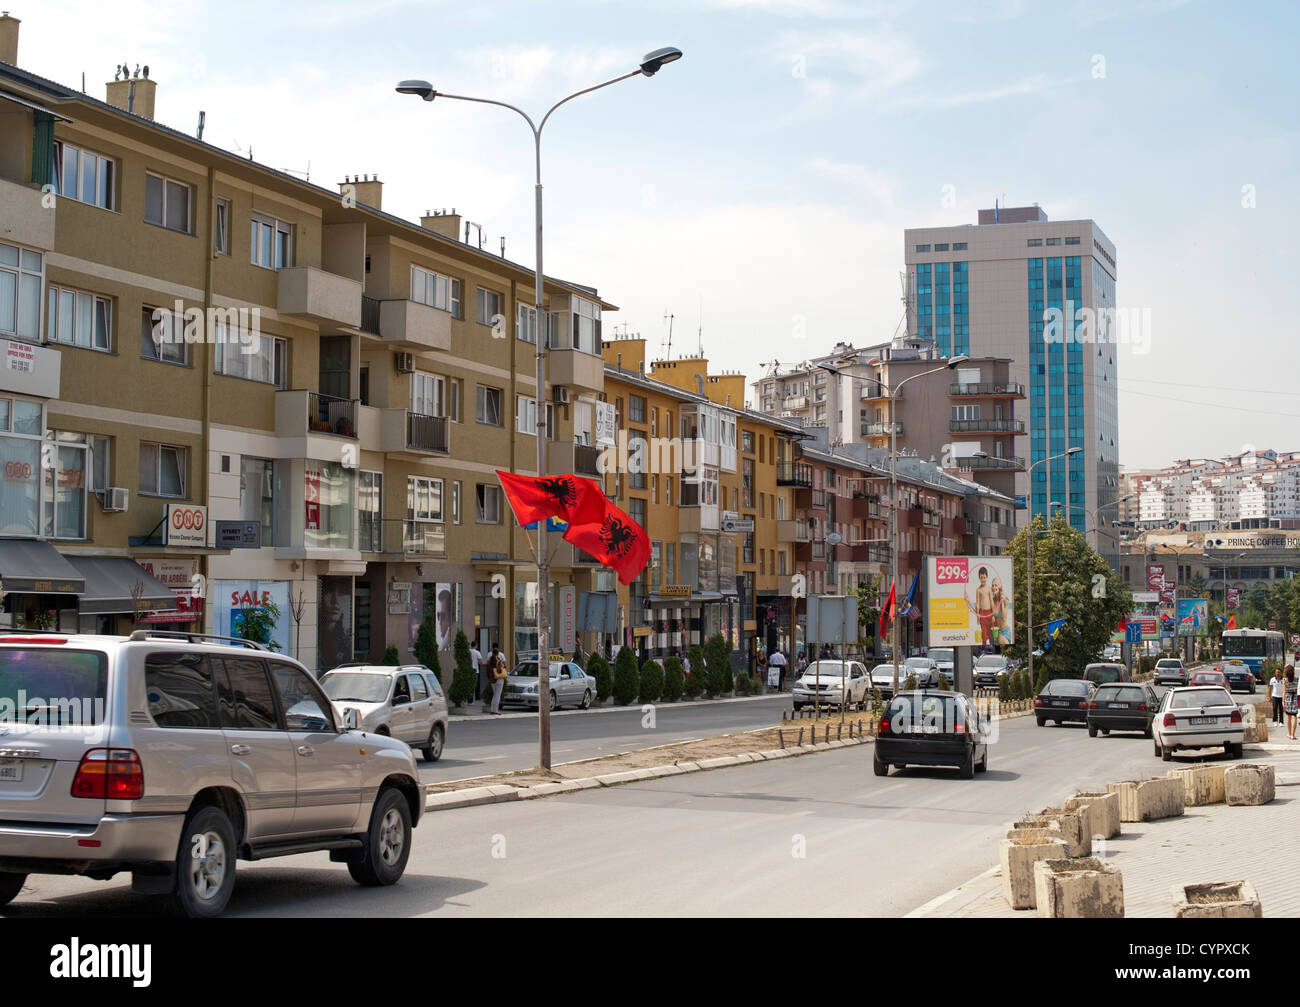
column 1041, row 293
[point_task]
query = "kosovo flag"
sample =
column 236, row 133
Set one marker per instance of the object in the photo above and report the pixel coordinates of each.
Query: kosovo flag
column 1220, row 619
column 1053, row 628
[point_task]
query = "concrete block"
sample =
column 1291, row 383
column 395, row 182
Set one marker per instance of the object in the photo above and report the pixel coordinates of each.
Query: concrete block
column 1249, row 784
column 1073, row 827
column 613, row 779
column 775, row 753
column 689, row 767
column 1147, row 800
column 1103, row 813
column 719, row 762
column 1217, row 900
column 1078, row 889
column 1018, row 857
column 1201, row 784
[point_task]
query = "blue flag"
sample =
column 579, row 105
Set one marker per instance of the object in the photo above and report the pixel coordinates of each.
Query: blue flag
column 909, row 604
column 1053, row 628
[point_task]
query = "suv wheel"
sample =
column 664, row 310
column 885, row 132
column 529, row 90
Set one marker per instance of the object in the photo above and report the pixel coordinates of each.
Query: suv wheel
column 881, row 768
column 387, row 842
column 968, row 767
column 10, row 886
column 205, row 864
column 433, row 750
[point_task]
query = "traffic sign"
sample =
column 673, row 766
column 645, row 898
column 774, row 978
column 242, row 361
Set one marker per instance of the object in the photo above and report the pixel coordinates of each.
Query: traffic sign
column 1133, row 632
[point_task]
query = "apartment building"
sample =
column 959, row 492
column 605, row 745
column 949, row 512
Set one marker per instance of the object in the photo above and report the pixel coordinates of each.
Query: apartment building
column 228, row 387
column 1253, row 489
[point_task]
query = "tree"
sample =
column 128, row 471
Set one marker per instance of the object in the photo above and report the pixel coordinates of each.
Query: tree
column 1072, row 581
column 390, row 657
column 652, row 681
column 694, row 685
column 598, row 668
column 627, row 677
column 868, row 591
column 674, row 679
column 257, row 622
column 717, row 657
column 463, row 679
column 426, row 646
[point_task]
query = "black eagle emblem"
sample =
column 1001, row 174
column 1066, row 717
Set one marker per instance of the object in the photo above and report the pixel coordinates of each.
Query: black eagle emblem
column 560, row 490
column 616, row 536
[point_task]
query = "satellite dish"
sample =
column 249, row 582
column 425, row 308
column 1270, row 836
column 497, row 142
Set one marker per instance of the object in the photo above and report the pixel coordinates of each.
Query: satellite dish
column 834, row 538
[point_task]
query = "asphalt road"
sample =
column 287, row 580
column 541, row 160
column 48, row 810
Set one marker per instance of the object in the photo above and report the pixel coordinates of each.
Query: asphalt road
column 811, row 836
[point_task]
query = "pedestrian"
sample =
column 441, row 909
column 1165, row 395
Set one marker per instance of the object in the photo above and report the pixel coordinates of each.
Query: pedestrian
column 1276, row 690
column 776, row 672
column 1289, row 702
column 801, row 665
column 476, row 661
column 496, row 669
column 686, row 666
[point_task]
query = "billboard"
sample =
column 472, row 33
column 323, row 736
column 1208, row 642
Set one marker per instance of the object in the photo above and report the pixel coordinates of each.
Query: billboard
column 230, row 598
column 1193, row 617
column 969, row 601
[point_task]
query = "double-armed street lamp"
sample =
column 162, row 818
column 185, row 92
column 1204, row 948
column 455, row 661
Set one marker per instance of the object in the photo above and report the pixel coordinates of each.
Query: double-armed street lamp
column 1029, row 560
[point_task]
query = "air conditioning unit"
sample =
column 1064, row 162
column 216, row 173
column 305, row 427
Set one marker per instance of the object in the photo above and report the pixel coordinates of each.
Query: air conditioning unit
column 561, row 394
column 115, row 499
column 405, row 362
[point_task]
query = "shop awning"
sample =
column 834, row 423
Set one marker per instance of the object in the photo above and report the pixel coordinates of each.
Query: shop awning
column 29, row 566
column 109, row 581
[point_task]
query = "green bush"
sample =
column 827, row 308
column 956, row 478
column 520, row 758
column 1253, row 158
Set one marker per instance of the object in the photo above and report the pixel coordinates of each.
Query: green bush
column 1004, row 688
column 426, row 647
column 598, row 668
column 1043, row 678
column 627, row 677
column 877, row 701
column 910, row 683
column 944, row 684
column 744, row 685
column 674, row 679
column 717, row 656
column 390, row 655
column 694, row 685
column 463, row 679
column 652, row 681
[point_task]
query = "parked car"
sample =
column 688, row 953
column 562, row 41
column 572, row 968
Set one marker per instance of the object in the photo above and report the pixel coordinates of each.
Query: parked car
column 1170, row 670
column 832, row 682
column 943, row 657
column 1198, row 716
column 1121, row 706
column 1207, row 676
column 926, row 670
column 188, row 754
column 989, row 668
column 1100, row 673
column 1112, row 652
column 1238, row 675
column 570, row 686
column 404, row 702
column 929, row 728
column 1063, row 700
column 882, row 678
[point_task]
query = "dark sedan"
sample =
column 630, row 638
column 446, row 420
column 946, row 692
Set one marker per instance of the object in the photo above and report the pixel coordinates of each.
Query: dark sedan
column 1121, row 706
column 931, row 728
column 1063, row 700
column 1239, row 676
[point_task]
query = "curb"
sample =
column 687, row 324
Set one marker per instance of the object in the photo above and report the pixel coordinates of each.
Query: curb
column 465, row 718
column 499, row 793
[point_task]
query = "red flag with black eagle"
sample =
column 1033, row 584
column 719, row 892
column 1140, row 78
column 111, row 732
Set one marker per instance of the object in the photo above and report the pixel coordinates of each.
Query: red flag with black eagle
column 887, row 612
column 567, row 497
column 616, row 540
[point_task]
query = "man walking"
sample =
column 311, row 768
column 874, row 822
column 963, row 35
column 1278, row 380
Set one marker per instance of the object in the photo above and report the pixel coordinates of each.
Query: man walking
column 476, row 661
column 496, row 672
column 1276, row 690
column 776, row 675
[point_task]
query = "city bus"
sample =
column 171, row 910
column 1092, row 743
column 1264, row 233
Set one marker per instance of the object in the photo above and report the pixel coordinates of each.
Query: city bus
column 1253, row 647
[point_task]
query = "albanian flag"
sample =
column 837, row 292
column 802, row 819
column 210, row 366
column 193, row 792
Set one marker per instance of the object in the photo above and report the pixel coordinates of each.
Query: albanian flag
column 887, row 611
column 533, row 498
column 616, row 540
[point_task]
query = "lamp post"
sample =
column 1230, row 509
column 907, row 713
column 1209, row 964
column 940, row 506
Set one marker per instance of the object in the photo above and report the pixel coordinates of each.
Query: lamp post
column 1091, row 513
column 1029, row 559
column 650, row 65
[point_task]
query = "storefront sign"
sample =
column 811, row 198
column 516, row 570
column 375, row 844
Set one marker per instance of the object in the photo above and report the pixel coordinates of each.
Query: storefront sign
column 736, row 524
column 675, row 591
column 567, row 624
column 230, row 598
column 185, row 525
column 399, row 598
column 238, row 534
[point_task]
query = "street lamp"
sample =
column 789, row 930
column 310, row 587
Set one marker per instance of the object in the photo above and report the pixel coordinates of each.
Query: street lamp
column 1029, row 559
column 650, row 64
column 1091, row 513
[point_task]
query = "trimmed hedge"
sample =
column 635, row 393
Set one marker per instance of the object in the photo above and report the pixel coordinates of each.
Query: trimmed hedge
column 464, row 680
column 390, row 655
column 627, row 677
column 674, row 679
column 718, row 658
column 598, row 668
column 652, row 681
column 694, row 685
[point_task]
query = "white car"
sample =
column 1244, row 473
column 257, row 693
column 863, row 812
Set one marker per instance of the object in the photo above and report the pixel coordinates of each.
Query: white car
column 989, row 668
column 1198, row 716
column 830, row 683
column 1170, row 669
column 882, row 678
column 926, row 670
column 943, row 657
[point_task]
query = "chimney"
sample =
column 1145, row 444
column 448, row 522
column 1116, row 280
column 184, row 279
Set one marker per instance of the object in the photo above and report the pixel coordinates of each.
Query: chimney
column 9, row 39
column 367, row 189
column 444, row 223
column 132, row 94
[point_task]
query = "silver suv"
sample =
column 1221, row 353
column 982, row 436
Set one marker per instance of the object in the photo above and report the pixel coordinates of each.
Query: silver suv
column 405, row 702
column 170, row 756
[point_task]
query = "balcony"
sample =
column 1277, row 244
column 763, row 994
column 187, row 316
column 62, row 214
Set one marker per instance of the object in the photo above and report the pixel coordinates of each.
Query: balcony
column 992, row 390
column 792, row 531
column 23, row 218
column 322, row 297
column 794, row 474
column 406, row 325
column 313, row 424
column 911, row 517
column 880, row 429
column 990, row 462
column 954, row 526
column 986, row 426
column 404, row 432
column 794, row 403
column 580, row 459
column 864, row 507
column 575, row 369
column 875, row 391
column 423, row 538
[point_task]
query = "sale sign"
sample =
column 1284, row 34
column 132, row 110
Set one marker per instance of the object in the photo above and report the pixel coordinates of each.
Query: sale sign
column 969, row 601
column 311, row 499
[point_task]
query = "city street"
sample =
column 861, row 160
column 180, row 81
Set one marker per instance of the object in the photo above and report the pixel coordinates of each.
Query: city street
column 721, row 842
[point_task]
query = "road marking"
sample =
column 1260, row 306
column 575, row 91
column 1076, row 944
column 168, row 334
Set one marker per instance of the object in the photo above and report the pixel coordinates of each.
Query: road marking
column 936, row 902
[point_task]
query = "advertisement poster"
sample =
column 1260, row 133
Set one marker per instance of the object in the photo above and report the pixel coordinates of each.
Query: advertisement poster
column 445, row 621
column 231, row 598
column 1234, row 597
column 334, row 623
column 1193, row 617
column 969, row 601
column 606, row 422
column 311, row 498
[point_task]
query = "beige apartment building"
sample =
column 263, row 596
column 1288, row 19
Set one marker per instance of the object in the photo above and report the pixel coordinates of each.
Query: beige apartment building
column 319, row 428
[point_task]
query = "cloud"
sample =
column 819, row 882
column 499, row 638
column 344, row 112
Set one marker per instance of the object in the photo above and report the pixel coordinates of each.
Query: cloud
column 877, row 185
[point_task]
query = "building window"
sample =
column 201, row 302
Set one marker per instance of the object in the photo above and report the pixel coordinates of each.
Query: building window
column 922, row 248
column 453, row 399
column 23, row 424
column 329, row 493
column 65, row 486
column 78, row 318
column 586, row 325
column 1034, row 242
column 167, row 203
column 100, row 468
column 941, row 248
column 489, row 307
column 221, row 240
column 526, row 416
column 747, row 441
column 487, row 504
column 83, row 175
column 370, row 500
column 264, row 360
column 435, row 290
column 455, row 502
column 428, row 394
column 636, row 408
column 959, row 246
column 271, row 242
column 1053, row 241
column 488, row 408
column 1072, row 241
column 162, row 336
column 257, row 495
column 21, row 277
column 638, row 452
column 423, row 499
column 162, row 469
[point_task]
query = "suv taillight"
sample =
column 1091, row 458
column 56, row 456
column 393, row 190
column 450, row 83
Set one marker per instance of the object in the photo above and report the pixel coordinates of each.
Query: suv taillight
column 113, row 774
column 1038, row 700
column 884, row 727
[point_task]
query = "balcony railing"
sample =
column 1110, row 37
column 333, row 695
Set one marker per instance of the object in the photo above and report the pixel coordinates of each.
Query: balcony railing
column 586, row 459
column 993, row 426
column 990, row 462
column 880, row 429
column 399, row 535
column 427, row 433
column 993, row 389
column 424, row 538
column 327, row 414
column 875, row 390
column 370, row 314
column 793, row 474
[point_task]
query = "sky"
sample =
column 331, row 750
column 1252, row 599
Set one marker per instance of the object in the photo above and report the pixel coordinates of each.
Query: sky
column 757, row 190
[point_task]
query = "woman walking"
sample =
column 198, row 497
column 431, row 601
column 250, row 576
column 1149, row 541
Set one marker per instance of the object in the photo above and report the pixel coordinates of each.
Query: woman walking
column 1289, row 702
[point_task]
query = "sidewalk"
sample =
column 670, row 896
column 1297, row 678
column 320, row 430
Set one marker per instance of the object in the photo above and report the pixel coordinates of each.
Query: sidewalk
column 462, row 717
column 1210, row 843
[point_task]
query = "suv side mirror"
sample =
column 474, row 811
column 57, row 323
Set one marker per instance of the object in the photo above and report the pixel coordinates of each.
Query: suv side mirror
column 351, row 718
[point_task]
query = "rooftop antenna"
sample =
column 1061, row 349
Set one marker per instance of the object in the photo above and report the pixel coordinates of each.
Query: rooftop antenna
column 669, row 316
column 700, row 332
